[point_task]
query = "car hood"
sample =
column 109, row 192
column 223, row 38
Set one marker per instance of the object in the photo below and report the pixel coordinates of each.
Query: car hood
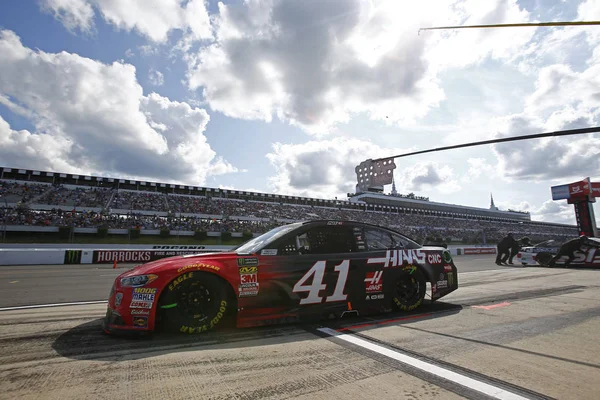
column 180, row 261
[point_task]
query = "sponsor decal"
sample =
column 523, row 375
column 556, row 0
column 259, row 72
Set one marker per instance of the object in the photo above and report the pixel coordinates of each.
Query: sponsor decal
column 450, row 276
column 479, row 250
column 118, row 299
column 145, row 290
column 136, row 311
column 72, row 256
column 141, row 304
column 396, row 258
column 246, row 279
column 335, row 223
column 375, row 296
column 198, row 266
column 142, row 297
column 177, row 247
column 248, row 291
column 205, row 327
column 373, row 282
column 434, row 259
column 247, row 262
column 248, row 270
column 180, row 279
column 442, row 283
column 109, row 256
column 268, row 252
column 447, row 256
column 410, row 269
column 140, row 322
column 448, row 268
column 104, row 256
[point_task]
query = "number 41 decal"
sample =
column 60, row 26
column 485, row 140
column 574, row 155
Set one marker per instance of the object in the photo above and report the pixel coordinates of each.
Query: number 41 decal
column 313, row 289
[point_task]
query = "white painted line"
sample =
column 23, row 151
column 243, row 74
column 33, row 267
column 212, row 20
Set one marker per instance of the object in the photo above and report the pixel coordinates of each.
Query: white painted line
column 462, row 380
column 78, row 303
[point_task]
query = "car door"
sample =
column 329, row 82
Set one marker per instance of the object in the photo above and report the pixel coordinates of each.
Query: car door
column 324, row 272
column 383, row 253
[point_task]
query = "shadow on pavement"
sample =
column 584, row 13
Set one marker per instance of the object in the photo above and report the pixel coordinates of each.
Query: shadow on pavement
column 88, row 342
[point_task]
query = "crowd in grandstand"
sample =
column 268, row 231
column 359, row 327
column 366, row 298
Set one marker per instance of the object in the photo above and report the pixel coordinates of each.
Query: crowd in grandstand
column 219, row 215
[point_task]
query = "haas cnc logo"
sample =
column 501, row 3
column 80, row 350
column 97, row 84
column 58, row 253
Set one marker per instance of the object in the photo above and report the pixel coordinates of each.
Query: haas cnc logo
column 434, row 259
column 373, row 282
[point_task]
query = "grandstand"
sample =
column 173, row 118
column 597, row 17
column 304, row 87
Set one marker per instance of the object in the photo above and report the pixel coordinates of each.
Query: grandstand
column 43, row 201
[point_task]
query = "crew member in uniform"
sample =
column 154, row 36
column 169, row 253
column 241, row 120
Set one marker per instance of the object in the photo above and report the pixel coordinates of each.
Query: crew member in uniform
column 568, row 249
column 504, row 249
column 514, row 249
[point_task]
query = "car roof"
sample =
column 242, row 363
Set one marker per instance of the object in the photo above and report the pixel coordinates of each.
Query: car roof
column 349, row 221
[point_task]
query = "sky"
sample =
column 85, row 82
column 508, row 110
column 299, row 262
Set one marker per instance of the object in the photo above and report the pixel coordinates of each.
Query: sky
column 288, row 97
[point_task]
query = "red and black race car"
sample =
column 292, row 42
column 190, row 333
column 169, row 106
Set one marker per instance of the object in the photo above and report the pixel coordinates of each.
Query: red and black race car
column 296, row 272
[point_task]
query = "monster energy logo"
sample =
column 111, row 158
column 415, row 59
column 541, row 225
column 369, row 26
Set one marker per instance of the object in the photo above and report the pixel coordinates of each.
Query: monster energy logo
column 72, row 256
column 447, row 256
column 450, row 279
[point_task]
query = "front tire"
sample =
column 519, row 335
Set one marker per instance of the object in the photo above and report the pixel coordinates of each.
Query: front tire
column 194, row 305
column 410, row 288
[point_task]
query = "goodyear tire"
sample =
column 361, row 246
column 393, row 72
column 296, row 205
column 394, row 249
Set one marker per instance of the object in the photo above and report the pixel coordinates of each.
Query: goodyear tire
column 409, row 290
column 194, row 303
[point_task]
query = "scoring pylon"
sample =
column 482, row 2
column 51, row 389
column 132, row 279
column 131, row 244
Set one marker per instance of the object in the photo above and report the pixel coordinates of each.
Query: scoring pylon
column 581, row 194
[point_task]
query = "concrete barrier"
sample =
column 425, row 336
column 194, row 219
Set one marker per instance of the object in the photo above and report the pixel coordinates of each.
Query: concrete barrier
column 32, row 256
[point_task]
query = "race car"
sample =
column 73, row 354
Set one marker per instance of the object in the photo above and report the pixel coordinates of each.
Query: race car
column 586, row 252
column 527, row 255
column 296, row 272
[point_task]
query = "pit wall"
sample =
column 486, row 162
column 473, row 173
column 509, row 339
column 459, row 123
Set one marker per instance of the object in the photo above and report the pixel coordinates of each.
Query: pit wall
column 91, row 254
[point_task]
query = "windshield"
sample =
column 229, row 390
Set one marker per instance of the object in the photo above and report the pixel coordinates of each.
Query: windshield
column 253, row 245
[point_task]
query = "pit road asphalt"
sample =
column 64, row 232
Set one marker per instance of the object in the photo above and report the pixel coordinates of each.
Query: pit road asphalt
column 520, row 333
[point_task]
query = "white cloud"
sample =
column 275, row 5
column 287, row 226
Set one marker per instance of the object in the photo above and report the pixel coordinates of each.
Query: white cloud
column 220, row 167
column 563, row 99
column 318, row 66
column 427, row 175
column 154, row 19
column 460, row 48
column 326, row 169
column 91, row 116
column 40, row 151
column 147, row 50
column 309, row 65
column 323, row 169
column 155, row 77
column 129, row 53
column 554, row 211
column 73, row 14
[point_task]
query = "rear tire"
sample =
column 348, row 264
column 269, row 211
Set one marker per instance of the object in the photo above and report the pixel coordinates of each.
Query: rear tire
column 543, row 259
column 410, row 288
column 194, row 305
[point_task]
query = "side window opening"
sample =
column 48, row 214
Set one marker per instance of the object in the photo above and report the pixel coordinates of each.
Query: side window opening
column 320, row 240
column 378, row 240
column 330, row 240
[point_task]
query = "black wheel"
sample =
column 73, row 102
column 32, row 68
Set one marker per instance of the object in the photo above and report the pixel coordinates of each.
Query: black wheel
column 543, row 258
column 194, row 305
column 410, row 288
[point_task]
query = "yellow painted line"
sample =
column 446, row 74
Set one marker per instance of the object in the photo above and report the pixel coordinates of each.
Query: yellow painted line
column 14, row 281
